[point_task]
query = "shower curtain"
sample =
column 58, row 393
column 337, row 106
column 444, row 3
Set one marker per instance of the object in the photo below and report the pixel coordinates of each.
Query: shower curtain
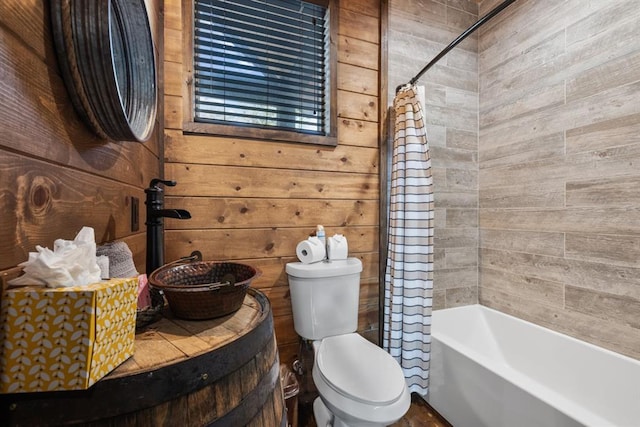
column 409, row 271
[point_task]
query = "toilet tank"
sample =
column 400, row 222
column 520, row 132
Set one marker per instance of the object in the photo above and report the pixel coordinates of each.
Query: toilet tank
column 324, row 297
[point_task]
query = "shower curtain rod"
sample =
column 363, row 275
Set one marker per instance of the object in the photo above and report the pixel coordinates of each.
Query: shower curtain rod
column 458, row 39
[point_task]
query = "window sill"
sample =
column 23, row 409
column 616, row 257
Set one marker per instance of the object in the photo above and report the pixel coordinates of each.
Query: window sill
column 258, row 133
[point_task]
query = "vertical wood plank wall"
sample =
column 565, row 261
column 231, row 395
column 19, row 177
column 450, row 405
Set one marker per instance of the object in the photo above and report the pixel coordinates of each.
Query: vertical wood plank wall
column 55, row 175
column 253, row 201
column 418, row 31
column 559, row 157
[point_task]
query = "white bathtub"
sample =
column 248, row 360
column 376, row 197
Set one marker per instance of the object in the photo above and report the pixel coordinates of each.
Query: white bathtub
column 491, row 369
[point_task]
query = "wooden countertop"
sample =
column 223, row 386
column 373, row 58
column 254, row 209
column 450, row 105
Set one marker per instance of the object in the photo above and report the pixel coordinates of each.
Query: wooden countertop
column 171, row 340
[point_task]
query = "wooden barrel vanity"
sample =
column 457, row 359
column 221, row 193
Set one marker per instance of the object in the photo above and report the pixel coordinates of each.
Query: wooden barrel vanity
column 219, row 372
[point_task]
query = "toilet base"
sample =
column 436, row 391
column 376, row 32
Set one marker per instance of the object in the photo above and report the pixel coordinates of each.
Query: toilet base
column 324, row 417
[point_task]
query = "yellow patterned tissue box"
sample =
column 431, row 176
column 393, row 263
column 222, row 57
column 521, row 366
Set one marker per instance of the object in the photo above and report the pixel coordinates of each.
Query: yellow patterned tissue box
column 65, row 338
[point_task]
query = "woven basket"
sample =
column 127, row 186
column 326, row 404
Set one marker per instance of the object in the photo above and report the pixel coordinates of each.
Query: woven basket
column 205, row 289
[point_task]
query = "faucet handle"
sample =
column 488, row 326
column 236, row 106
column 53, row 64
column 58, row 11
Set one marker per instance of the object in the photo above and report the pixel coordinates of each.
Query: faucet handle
column 156, row 181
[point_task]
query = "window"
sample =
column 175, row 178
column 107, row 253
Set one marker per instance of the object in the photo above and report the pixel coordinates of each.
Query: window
column 264, row 64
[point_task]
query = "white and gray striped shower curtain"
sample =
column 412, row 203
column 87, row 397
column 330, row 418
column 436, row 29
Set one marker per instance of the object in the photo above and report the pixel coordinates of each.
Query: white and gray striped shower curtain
column 409, row 271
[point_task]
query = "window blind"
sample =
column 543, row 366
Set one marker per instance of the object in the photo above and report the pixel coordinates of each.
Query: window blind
column 261, row 63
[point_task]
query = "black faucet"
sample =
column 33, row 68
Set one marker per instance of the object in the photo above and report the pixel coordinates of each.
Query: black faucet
column 155, row 223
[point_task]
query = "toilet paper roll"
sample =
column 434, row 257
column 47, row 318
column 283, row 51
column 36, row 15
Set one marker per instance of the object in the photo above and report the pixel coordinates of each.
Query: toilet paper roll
column 311, row 250
column 337, row 247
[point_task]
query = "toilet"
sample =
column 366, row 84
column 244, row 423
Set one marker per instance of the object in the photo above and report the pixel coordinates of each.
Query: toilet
column 359, row 383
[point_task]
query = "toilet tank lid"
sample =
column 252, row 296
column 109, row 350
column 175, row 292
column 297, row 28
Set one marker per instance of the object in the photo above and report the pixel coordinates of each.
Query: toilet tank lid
column 325, row 268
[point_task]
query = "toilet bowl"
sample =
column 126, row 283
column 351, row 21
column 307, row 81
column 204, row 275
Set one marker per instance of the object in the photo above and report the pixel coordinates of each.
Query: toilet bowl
column 360, row 385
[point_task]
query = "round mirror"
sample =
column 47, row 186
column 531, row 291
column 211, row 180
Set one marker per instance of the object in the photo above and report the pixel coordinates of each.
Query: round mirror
column 106, row 55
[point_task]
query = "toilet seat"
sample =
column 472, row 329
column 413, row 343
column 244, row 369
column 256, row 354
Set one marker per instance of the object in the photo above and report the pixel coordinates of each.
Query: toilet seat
column 360, row 370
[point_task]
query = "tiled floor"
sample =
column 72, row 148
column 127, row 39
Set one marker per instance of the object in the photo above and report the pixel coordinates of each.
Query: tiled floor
column 420, row 415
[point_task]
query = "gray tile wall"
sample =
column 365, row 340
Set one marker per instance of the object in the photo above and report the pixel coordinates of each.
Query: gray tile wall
column 559, row 167
column 534, row 127
column 419, row 30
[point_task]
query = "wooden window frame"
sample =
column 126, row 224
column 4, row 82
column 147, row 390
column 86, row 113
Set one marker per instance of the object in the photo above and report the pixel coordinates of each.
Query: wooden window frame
column 192, row 127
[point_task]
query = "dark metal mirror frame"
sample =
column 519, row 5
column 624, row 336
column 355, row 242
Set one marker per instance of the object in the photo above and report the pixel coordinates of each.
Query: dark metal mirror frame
column 106, row 55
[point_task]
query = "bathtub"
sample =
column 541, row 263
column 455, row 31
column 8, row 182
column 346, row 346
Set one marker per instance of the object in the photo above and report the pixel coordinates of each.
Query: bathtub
column 491, row 369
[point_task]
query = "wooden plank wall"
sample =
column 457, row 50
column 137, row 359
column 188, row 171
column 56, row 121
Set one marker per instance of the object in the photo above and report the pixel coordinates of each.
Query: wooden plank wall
column 559, row 176
column 55, row 175
column 253, row 201
column 418, row 31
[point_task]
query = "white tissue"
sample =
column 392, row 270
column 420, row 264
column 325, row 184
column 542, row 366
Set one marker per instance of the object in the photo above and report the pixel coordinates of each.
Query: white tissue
column 337, row 247
column 70, row 263
column 311, row 250
column 103, row 263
